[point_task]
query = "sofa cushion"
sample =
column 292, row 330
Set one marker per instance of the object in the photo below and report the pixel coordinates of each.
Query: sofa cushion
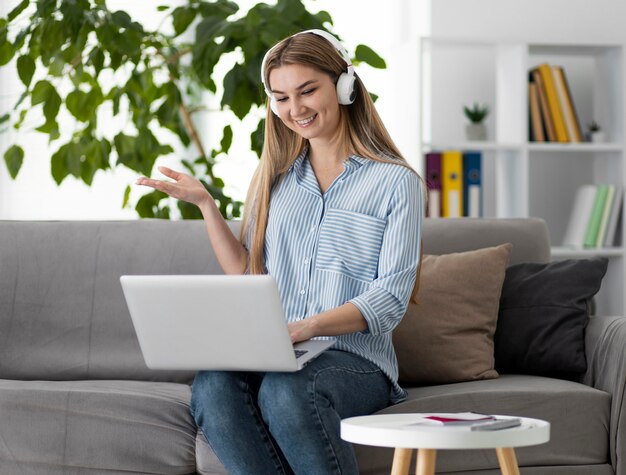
column 544, row 309
column 579, row 418
column 448, row 335
column 96, row 427
column 62, row 311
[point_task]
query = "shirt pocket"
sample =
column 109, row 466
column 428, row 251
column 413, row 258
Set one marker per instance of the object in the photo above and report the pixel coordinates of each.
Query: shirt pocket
column 349, row 243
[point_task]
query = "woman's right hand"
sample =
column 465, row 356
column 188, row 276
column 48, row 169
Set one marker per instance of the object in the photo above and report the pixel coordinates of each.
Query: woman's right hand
column 184, row 187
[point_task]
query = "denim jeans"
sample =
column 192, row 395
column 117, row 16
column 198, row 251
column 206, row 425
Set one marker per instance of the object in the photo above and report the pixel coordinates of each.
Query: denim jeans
column 285, row 423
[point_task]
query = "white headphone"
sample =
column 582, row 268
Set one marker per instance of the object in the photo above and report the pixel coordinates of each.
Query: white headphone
column 345, row 84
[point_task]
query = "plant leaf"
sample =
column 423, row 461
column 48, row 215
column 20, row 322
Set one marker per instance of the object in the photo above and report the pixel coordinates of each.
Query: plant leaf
column 238, row 91
column 58, row 164
column 257, row 138
column 148, row 205
column 14, row 157
column 182, row 18
column 40, row 92
column 25, row 69
column 7, row 50
column 17, row 10
column 126, row 197
column 369, row 56
column 227, row 138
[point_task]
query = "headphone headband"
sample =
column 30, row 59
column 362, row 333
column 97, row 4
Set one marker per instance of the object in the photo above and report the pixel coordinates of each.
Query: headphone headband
column 345, row 84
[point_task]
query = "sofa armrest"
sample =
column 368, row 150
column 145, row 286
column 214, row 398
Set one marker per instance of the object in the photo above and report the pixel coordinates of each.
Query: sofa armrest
column 605, row 341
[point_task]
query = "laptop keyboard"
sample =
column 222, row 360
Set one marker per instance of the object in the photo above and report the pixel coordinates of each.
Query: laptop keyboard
column 299, row 353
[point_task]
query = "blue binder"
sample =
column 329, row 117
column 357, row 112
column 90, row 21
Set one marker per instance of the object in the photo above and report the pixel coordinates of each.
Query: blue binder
column 472, row 185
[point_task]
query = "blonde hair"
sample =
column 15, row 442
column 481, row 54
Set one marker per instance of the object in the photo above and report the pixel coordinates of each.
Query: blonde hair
column 362, row 133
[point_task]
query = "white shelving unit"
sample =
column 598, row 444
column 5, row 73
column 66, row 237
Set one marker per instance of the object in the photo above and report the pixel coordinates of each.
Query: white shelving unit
column 522, row 178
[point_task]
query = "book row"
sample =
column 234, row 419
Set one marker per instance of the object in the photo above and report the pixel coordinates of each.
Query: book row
column 454, row 182
column 552, row 113
column 595, row 216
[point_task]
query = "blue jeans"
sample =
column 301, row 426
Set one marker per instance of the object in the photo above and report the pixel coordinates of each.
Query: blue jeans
column 285, row 423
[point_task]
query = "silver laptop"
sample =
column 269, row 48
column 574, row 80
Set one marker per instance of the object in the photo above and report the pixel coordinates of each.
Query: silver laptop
column 211, row 322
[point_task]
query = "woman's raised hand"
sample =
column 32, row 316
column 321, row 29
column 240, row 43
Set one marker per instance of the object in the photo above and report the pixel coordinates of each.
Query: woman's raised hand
column 184, row 187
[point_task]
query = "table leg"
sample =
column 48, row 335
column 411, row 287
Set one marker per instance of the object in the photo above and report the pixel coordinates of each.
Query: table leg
column 508, row 461
column 426, row 462
column 401, row 461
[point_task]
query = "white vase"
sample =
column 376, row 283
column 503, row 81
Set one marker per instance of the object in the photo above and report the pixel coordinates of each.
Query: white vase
column 476, row 131
column 598, row 137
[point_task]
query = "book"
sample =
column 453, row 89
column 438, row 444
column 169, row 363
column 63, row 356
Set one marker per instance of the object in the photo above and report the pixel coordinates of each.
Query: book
column 456, row 418
column 616, row 211
column 433, row 184
column 571, row 117
column 553, row 102
column 497, row 424
column 543, row 106
column 579, row 216
column 536, row 126
column 451, row 184
column 605, row 216
column 593, row 227
column 472, row 184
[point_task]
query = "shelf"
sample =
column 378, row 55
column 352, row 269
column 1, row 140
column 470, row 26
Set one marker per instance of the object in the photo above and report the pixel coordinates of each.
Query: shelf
column 520, row 178
column 477, row 145
column 532, row 147
column 575, row 147
column 562, row 251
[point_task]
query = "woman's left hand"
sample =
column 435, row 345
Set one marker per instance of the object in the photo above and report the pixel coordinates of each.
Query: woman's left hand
column 302, row 330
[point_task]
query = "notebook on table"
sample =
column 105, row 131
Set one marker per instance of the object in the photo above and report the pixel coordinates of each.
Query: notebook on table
column 214, row 322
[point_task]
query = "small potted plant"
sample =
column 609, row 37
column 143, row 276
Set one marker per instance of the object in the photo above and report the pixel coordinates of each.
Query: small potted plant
column 595, row 132
column 476, row 129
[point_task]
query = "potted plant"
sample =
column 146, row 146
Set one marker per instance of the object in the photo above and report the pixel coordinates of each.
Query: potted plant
column 476, row 129
column 66, row 53
column 595, row 132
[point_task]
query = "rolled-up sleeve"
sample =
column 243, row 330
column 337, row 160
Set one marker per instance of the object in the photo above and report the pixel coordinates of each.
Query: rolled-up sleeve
column 385, row 302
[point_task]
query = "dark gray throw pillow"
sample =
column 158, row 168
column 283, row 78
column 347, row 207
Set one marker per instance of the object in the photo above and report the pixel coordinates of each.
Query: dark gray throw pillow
column 544, row 309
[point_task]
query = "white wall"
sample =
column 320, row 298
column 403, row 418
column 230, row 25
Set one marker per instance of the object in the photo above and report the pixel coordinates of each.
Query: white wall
column 389, row 27
column 540, row 20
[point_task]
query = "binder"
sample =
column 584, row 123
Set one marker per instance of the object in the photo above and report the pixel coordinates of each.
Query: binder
column 452, row 184
column 472, row 184
column 579, row 216
column 433, row 184
column 596, row 216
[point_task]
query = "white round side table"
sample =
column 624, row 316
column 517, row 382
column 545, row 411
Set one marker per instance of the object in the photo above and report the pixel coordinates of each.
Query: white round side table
column 403, row 432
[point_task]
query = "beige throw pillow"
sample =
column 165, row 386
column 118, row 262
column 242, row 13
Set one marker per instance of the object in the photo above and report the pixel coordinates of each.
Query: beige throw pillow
column 447, row 336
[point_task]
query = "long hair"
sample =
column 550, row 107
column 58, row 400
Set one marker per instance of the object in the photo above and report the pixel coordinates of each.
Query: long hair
column 362, row 133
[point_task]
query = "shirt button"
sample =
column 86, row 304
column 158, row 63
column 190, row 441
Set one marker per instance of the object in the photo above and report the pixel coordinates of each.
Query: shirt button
column 305, row 261
column 312, row 229
column 302, row 292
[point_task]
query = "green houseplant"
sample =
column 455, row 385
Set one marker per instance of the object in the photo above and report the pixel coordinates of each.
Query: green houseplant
column 78, row 58
column 476, row 115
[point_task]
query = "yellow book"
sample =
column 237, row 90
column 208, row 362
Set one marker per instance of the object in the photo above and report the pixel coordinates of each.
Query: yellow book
column 571, row 118
column 553, row 102
column 452, row 184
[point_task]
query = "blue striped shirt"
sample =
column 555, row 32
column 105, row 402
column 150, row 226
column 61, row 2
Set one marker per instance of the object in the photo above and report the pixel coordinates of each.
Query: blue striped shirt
column 358, row 242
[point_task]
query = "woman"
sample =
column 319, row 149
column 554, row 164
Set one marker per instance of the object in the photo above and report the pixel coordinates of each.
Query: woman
column 334, row 215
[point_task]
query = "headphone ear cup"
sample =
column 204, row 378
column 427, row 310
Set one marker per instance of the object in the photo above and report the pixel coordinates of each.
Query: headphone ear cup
column 273, row 105
column 345, row 89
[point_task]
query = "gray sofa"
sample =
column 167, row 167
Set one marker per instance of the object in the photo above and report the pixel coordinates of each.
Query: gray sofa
column 76, row 397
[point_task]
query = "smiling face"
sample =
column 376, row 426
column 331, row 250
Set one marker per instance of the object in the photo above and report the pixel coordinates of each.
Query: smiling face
column 307, row 101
